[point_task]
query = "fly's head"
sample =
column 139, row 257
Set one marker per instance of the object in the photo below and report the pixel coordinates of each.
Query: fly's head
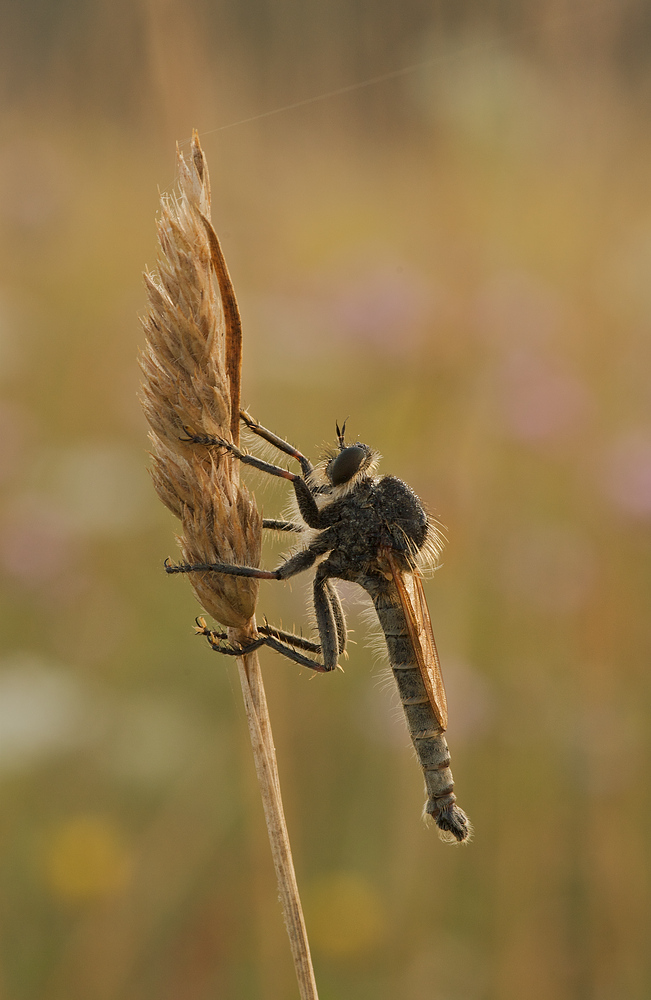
column 345, row 467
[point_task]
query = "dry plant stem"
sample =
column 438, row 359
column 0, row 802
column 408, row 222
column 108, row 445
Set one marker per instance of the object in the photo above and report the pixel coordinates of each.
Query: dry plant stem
column 192, row 369
column 264, row 755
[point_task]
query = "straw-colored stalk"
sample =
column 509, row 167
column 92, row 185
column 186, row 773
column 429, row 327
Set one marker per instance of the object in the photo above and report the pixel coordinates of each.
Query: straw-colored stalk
column 191, row 366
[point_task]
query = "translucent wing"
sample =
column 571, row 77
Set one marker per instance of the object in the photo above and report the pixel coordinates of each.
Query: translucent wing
column 414, row 605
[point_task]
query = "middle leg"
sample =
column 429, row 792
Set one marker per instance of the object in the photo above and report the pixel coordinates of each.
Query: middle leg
column 300, row 561
column 274, row 525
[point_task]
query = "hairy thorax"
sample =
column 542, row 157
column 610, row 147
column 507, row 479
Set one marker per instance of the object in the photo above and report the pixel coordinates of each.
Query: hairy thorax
column 377, row 513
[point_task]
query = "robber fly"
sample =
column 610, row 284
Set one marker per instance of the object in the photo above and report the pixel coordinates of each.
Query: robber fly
column 370, row 530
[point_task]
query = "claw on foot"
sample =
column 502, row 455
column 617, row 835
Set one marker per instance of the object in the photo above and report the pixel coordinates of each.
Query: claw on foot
column 206, row 439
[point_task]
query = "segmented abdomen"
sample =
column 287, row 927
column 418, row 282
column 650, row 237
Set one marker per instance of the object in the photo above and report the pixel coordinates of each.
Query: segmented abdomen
column 424, row 728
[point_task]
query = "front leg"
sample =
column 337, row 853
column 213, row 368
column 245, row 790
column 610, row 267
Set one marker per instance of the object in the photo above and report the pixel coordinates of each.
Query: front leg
column 211, row 440
column 306, row 502
column 277, row 442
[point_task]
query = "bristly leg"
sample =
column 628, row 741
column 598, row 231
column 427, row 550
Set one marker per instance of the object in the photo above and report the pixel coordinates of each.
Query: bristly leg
column 211, row 441
column 274, row 525
column 227, row 568
column 290, row 638
column 278, row 442
column 220, row 642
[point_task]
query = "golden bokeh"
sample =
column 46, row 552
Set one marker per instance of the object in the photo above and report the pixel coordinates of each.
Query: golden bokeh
column 86, row 859
column 345, row 914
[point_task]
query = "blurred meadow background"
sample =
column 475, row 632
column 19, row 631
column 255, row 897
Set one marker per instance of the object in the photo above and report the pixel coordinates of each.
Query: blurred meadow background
column 458, row 259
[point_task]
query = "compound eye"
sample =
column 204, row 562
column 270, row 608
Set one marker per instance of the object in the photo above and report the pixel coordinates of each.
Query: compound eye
column 342, row 468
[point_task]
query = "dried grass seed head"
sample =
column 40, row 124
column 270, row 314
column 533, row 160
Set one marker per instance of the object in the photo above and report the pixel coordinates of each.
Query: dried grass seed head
column 185, row 385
